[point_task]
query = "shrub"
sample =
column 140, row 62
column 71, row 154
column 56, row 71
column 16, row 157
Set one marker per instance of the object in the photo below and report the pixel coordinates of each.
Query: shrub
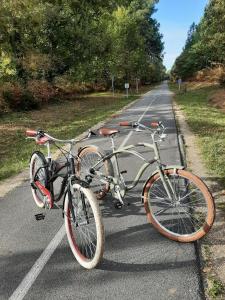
column 41, row 90
column 18, row 99
column 222, row 78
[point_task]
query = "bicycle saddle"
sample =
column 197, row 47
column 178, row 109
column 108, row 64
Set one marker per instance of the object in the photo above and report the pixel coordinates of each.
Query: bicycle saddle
column 108, row 131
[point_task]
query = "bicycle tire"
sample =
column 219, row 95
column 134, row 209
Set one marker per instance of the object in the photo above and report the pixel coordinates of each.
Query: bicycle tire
column 86, row 257
column 88, row 156
column 38, row 161
column 179, row 221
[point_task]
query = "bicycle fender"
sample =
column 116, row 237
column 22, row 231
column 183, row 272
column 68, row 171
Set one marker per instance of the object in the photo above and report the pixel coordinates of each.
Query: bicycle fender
column 173, row 167
column 87, row 146
column 102, row 153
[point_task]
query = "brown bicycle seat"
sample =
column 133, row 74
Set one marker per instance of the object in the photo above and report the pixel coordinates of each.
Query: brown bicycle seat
column 108, row 131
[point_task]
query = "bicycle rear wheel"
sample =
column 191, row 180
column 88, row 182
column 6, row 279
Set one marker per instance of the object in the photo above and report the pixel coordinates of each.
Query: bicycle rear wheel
column 88, row 157
column 189, row 215
column 86, row 233
column 38, row 172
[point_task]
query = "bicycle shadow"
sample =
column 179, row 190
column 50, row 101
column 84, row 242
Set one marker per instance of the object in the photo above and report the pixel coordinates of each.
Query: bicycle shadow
column 135, row 238
column 133, row 206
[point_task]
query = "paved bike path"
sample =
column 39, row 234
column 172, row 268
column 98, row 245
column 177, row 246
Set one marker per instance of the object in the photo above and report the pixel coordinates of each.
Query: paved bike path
column 138, row 262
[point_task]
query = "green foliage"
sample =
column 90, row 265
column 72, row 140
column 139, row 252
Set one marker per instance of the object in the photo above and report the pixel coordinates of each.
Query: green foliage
column 205, row 45
column 137, row 46
column 208, row 124
column 86, row 40
column 216, row 288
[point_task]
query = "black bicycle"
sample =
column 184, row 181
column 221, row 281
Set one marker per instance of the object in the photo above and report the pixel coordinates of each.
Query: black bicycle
column 83, row 221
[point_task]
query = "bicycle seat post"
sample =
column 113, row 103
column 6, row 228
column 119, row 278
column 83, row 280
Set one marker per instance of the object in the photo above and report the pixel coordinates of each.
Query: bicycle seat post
column 112, row 142
column 49, row 151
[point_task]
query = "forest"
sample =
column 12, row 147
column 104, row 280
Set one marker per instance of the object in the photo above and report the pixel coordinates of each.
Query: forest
column 205, row 45
column 56, row 47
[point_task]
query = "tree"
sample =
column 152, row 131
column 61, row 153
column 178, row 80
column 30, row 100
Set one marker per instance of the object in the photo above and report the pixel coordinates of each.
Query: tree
column 205, row 43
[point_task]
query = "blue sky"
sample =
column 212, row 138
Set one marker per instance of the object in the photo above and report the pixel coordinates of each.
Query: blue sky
column 175, row 18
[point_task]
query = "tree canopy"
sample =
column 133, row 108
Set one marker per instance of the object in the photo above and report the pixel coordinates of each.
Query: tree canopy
column 205, row 45
column 86, row 40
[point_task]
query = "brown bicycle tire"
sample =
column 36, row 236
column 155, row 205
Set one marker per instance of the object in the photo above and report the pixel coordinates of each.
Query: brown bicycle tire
column 107, row 166
column 207, row 197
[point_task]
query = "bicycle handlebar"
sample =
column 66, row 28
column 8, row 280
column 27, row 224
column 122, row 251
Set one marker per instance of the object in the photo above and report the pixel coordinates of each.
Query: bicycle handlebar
column 125, row 123
column 159, row 128
column 38, row 134
column 136, row 124
column 31, row 133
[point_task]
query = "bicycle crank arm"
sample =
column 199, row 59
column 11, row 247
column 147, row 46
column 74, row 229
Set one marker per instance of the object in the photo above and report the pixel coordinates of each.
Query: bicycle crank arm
column 39, row 217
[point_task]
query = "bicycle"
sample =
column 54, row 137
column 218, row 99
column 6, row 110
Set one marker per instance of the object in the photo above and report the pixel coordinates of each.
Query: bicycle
column 177, row 203
column 82, row 216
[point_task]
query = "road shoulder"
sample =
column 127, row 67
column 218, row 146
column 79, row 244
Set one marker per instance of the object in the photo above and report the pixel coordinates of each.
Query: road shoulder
column 212, row 247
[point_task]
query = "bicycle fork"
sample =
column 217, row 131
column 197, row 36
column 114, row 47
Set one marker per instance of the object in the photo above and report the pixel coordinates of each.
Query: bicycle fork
column 168, row 186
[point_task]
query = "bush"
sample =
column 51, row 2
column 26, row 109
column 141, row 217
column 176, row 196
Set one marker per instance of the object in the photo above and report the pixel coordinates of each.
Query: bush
column 41, row 90
column 18, row 99
column 222, row 78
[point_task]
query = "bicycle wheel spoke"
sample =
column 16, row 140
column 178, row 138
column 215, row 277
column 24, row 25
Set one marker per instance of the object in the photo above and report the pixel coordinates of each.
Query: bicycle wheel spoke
column 183, row 215
column 84, row 228
column 161, row 211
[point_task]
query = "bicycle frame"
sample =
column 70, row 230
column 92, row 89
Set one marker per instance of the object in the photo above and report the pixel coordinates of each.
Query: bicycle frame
column 128, row 149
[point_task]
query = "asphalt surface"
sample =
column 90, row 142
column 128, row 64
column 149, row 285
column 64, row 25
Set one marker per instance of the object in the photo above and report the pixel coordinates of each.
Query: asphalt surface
column 138, row 262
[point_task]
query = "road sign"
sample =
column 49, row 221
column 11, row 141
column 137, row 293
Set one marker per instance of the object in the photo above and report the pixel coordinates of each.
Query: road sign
column 127, row 85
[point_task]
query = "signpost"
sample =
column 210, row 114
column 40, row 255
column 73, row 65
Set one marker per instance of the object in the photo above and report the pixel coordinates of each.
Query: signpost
column 113, row 90
column 179, row 83
column 127, row 86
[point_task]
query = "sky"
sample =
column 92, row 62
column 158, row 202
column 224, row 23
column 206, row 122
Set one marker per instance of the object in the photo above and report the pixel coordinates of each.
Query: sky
column 175, row 18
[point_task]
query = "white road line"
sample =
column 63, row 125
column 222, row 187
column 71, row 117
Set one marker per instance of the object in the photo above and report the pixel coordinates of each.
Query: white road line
column 32, row 275
column 139, row 120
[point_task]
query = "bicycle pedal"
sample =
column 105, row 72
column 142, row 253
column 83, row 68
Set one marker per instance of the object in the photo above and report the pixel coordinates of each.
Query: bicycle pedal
column 123, row 172
column 118, row 205
column 39, row 217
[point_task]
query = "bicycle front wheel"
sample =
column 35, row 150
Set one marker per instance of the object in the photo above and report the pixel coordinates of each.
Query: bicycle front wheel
column 84, row 226
column 189, row 215
column 88, row 158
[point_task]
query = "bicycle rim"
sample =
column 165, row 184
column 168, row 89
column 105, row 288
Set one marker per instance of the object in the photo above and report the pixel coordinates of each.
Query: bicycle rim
column 190, row 213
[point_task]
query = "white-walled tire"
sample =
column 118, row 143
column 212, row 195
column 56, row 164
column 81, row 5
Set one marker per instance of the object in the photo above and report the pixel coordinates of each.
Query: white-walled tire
column 86, row 234
column 37, row 163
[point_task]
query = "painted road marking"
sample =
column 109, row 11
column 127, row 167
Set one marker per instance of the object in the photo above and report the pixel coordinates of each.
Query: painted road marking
column 31, row 276
column 139, row 120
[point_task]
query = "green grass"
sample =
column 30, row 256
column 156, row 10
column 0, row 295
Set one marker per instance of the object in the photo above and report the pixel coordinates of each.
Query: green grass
column 216, row 289
column 208, row 124
column 63, row 119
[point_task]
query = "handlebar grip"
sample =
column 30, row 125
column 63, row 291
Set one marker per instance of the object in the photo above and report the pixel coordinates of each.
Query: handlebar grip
column 31, row 133
column 155, row 124
column 125, row 123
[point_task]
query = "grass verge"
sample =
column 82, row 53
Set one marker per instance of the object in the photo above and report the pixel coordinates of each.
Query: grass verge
column 215, row 288
column 208, row 124
column 63, row 119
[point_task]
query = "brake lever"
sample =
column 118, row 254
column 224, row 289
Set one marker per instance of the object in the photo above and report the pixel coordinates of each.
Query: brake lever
column 91, row 133
column 138, row 129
